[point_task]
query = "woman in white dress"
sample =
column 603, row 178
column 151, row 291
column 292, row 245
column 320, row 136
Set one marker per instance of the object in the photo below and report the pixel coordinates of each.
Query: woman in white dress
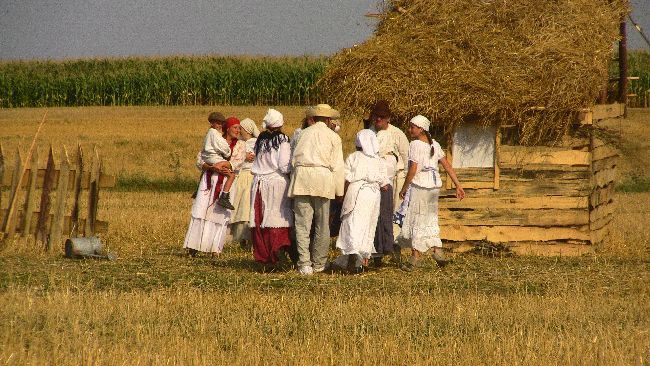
column 365, row 175
column 271, row 215
column 420, row 230
column 244, row 180
column 209, row 222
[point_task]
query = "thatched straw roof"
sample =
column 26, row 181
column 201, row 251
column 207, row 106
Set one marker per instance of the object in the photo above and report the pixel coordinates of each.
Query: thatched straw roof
column 499, row 60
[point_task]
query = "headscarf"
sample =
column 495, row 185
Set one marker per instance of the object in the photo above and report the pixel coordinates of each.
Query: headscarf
column 230, row 121
column 249, row 126
column 368, row 142
column 421, row 121
column 272, row 119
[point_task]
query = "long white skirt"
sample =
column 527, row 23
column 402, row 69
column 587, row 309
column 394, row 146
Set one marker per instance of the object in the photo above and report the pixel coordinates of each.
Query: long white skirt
column 420, row 230
column 209, row 221
column 357, row 232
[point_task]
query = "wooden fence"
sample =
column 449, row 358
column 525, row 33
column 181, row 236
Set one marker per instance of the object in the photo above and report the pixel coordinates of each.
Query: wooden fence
column 43, row 212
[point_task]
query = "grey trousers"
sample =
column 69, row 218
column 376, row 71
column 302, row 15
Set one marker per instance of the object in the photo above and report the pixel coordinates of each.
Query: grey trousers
column 308, row 209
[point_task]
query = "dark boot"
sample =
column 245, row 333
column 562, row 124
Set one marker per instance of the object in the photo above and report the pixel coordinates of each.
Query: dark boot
column 224, row 201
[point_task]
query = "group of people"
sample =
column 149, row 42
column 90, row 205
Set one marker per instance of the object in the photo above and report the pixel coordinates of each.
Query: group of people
column 277, row 192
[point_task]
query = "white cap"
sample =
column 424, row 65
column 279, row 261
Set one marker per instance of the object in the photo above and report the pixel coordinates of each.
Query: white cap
column 421, row 121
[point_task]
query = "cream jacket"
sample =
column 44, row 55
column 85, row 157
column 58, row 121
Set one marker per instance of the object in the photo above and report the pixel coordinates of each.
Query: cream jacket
column 394, row 141
column 317, row 161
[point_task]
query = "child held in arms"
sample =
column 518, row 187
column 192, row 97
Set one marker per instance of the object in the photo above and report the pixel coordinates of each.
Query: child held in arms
column 216, row 152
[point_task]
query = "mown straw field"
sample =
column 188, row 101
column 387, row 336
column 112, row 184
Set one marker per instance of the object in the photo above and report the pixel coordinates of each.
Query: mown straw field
column 156, row 306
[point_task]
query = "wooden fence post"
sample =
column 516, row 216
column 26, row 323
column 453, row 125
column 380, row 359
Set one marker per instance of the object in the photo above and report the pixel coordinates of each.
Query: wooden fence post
column 9, row 227
column 61, row 196
column 74, row 215
column 93, row 193
column 44, row 213
column 30, row 199
column 497, row 149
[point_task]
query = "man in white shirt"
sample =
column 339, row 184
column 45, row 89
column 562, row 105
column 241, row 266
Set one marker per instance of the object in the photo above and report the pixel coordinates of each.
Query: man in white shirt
column 318, row 176
column 393, row 149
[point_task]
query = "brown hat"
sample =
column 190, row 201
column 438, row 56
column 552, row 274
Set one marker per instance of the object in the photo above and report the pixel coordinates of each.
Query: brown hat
column 216, row 117
column 380, row 109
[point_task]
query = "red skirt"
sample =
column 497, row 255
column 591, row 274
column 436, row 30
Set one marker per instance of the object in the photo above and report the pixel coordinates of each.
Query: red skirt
column 267, row 241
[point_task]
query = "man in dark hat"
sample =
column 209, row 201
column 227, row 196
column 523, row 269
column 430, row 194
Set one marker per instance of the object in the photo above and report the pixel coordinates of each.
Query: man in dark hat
column 393, row 149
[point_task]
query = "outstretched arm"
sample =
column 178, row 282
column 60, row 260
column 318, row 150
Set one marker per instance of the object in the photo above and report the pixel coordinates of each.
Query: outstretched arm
column 460, row 192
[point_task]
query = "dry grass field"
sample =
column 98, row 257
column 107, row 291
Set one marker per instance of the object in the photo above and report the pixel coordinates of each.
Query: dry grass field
column 155, row 306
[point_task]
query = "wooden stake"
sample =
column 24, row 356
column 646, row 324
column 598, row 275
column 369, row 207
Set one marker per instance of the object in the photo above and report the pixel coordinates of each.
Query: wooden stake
column 44, row 213
column 2, row 175
column 9, row 227
column 93, row 194
column 61, row 197
column 30, row 200
column 74, row 216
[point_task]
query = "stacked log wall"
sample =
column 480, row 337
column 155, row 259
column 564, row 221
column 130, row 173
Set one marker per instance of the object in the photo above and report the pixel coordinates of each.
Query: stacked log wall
column 542, row 204
column 601, row 198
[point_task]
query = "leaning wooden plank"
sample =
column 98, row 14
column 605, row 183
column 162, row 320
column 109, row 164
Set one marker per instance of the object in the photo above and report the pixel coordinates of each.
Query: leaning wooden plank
column 564, row 157
column 9, row 227
column 44, row 213
column 61, row 197
column 605, row 177
column 512, row 217
column 93, row 193
column 499, row 234
column 74, row 231
column 30, row 200
column 542, row 202
column 603, row 152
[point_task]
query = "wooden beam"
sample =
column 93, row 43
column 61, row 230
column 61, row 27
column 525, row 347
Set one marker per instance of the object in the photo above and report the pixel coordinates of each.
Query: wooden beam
column 517, row 203
column 500, row 234
column 497, row 159
column 605, row 177
column 76, row 188
column 565, row 157
column 603, row 152
column 513, row 217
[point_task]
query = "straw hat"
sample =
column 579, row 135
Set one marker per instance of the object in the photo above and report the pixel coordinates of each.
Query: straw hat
column 323, row 110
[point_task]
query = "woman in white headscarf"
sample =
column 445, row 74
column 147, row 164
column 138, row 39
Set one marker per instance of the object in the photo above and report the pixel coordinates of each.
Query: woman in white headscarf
column 365, row 175
column 271, row 215
column 243, row 182
column 420, row 230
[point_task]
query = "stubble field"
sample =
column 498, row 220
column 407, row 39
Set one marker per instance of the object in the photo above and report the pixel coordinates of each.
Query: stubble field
column 156, row 306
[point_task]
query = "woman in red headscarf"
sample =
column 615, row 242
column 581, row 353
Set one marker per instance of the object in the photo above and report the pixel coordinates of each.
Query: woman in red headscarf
column 209, row 222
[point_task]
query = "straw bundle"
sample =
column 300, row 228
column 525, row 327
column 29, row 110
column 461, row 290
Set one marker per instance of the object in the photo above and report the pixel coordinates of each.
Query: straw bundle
column 528, row 62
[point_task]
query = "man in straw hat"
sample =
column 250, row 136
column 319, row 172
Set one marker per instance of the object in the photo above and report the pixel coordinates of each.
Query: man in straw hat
column 393, row 149
column 318, row 177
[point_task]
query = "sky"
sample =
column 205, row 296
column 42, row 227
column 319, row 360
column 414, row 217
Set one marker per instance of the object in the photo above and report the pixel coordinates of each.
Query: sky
column 70, row 29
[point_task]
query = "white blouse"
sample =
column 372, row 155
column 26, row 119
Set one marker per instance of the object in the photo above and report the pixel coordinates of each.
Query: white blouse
column 427, row 174
column 273, row 161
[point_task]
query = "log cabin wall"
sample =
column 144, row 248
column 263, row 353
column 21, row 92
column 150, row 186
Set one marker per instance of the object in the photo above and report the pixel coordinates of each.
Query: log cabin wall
column 537, row 200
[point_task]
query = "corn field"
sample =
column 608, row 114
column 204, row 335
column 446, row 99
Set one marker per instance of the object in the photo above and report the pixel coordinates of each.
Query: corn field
column 160, row 81
column 206, row 80
column 639, row 65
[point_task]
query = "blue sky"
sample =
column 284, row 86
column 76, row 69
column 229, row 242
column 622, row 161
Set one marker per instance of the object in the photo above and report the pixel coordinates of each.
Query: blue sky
column 58, row 29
